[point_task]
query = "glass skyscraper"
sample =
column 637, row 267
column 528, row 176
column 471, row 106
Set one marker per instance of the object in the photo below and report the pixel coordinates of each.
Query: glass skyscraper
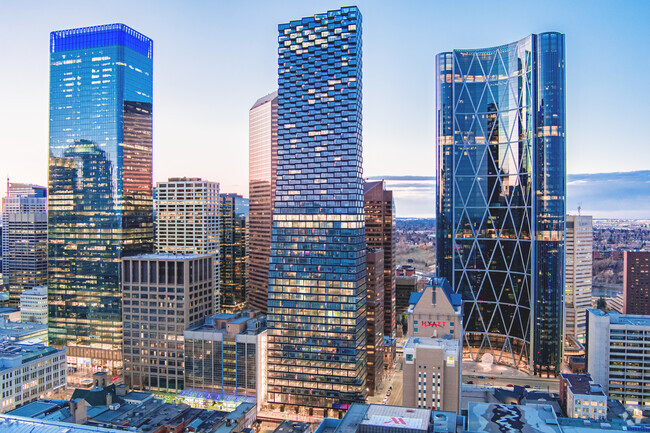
column 100, row 184
column 501, row 197
column 317, row 277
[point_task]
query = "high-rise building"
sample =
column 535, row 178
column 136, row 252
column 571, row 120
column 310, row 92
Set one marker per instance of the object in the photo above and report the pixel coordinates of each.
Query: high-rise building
column 24, row 238
column 188, row 220
column 262, row 169
column 317, row 278
column 501, row 197
column 33, row 305
column 579, row 246
column 636, row 282
column 375, row 317
column 164, row 294
column 380, row 233
column 436, row 312
column 100, row 179
column 615, row 349
column 233, row 211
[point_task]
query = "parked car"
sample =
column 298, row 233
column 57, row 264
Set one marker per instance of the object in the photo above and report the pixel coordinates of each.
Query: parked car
column 480, row 377
column 510, row 385
column 526, row 386
column 489, row 384
column 470, row 382
column 493, row 378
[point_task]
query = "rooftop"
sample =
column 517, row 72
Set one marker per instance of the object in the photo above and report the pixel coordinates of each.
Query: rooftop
column 293, row 427
column 449, row 345
column 167, row 256
column 582, row 384
column 15, row 354
column 19, row 424
column 265, row 99
column 396, row 417
column 616, row 318
column 498, row 418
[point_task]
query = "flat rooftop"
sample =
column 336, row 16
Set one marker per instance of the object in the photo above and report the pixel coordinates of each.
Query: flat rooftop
column 499, row 418
column 616, row 318
column 449, row 345
column 583, row 384
column 18, row 424
column 386, row 416
column 167, row 256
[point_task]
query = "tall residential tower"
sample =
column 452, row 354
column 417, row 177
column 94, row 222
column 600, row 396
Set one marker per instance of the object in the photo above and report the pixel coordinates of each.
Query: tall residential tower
column 501, row 197
column 317, row 278
column 579, row 246
column 100, row 182
column 262, row 169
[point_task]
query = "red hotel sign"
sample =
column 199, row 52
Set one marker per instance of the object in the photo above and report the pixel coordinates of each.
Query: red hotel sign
column 434, row 324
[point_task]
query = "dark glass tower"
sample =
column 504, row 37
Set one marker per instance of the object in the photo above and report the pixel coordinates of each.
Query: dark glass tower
column 100, row 184
column 317, row 293
column 233, row 218
column 501, row 197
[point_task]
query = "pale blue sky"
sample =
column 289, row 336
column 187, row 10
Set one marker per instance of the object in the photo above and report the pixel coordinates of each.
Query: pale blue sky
column 212, row 60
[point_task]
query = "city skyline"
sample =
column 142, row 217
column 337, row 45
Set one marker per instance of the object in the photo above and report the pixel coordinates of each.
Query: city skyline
column 400, row 112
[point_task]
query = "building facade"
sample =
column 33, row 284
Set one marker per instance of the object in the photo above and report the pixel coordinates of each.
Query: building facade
column 501, row 197
column 188, row 221
column 436, row 312
column 375, row 318
column 24, row 238
column 233, row 252
column 432, row 373
column 317, row 277
column 164, row 294
column 581, row 397
column 579, row 247
column 100, row 206
column 33, row 305
column 405, row 286
column 379, row 209
column 616, row 348
column 223, row 357
column 262, row 171
column 636, row 282
column 28, row 371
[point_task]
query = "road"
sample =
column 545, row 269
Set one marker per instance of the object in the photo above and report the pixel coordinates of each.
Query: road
column 393, row 378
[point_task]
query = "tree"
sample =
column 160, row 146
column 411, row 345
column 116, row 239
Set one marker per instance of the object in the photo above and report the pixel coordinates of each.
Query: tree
column 601, row 304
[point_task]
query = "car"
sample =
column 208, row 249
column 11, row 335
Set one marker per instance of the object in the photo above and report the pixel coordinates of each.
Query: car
column 470, row 382
column 493, row 378
column 538, row 387
column 489, row 384
column 526, row 386
column 510, row 385
column 388, row 393
column 480, row 377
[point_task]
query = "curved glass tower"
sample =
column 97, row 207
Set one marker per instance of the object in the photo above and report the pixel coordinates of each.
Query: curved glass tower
column 501, row 197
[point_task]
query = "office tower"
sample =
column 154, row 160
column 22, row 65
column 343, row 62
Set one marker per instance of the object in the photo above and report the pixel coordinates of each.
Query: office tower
column 262, row 169
column 24, row 238
column 317, row 276
column 436, row 312
column 375, row 317
column 615, row 346
column 223, row 360
column 20, row 365
column 164, row 294
column 579, row 246
column 233, row 211
column 405, row 286
column 581, row 397
column 380, row 233
column 33, row 305
column 100, row 179
column 501, row 197
column 636, row 282
column 187, row 220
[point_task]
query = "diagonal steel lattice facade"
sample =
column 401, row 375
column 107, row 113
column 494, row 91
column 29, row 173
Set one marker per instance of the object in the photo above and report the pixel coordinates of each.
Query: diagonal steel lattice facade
column 501, row 197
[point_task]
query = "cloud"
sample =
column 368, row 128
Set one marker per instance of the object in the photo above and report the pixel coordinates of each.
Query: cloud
column 624, row 195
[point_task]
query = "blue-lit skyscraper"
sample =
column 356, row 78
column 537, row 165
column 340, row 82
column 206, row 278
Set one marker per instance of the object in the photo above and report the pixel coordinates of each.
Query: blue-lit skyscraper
column 501, row 197
column 100, row 184
column 317, row 295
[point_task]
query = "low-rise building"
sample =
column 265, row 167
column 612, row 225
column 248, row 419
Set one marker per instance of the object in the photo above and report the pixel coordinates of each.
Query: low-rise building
column 225, row 361
column 581, row 397
column 432, row 373
column 29, row 371
column 33, row 305
column 164, row 294
column 23, row 332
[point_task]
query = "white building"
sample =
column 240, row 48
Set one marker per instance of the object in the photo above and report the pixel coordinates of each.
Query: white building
column 581, row 397
column 579, row 246
column 33, row 305
column 617, row 346
column 187, row 220
column 29, row 371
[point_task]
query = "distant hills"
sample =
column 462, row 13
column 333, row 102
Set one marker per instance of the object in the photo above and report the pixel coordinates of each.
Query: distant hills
column 624, row 195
